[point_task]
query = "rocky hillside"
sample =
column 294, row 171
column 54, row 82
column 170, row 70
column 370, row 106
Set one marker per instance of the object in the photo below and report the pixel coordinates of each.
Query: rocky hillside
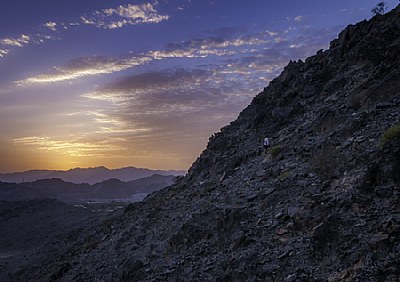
column 321, row 205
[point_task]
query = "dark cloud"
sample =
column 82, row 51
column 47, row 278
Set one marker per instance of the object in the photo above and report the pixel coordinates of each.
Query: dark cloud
column 172, row 103
column 156, row 80
column 84, row 63
column 226, row 32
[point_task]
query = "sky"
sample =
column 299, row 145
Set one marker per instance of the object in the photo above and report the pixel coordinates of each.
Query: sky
column 144, row 83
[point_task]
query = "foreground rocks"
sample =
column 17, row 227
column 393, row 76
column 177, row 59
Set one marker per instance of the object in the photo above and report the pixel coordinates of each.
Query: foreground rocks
column 323, row 206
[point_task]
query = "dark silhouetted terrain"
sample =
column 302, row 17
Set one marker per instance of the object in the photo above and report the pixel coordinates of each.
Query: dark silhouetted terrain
column 69, row 192
column 29, row 227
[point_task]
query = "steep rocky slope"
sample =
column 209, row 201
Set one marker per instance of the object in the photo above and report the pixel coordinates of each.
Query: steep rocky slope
column 321, row 205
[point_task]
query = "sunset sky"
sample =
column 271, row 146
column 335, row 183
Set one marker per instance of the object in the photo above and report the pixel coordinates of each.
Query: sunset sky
column 144, row 83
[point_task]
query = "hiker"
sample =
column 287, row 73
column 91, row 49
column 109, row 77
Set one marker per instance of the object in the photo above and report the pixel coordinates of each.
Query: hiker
column 266, row 143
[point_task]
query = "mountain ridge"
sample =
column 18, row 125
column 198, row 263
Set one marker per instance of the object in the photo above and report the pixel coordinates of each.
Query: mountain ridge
column 91, row 175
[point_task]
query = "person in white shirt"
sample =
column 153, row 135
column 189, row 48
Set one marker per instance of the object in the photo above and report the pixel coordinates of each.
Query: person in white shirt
column 266, row 143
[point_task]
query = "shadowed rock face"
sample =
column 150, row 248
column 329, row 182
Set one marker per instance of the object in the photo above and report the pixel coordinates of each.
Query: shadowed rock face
column 325, row 208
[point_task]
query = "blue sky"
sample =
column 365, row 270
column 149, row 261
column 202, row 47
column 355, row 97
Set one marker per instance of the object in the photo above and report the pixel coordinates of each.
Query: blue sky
column 144, row 83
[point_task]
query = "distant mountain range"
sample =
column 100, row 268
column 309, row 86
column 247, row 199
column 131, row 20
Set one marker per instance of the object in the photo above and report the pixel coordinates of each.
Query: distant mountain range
column 86, row 175
column 70, row 192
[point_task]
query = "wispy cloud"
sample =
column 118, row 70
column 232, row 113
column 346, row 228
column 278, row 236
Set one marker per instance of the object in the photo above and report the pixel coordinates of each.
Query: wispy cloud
column 18, row 42
column 3, row 52
column 74, row 147
column 51, row 25
column 215, row 45
column 199, row 48
column 110, row 18
column 250, row 54
column 88, row 66
column 299, row 18
column 225, row 38
column 111, row 125
column 215, row 42
column 189, row 53
column 7, row 45
column 113, row 18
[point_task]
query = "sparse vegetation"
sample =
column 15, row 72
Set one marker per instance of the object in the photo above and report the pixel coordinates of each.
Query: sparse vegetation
column 355, row 100
column 276, row 150
column 284, row 174
column 326, row 162
column 379, row 9
column 389, row 134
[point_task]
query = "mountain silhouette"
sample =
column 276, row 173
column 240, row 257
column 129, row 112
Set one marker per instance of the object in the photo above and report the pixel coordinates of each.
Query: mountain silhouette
column 86, row 175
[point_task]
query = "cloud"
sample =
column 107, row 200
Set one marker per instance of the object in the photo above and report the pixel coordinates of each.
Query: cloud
column 223, row 41
column 199, row 48
column 299, row 18
column 249, row 53
column 86, row 21
column 155, row 88
column 87, row 66
column 189, row 53
column 163, row 108
column 219, row 45
column 209, row 43
column 3, row 52
column 51, row 25
column 7, row 45
column 16, row 42
column 113, row 18
column 73, row 147
column 260, row 65
column 112, row 126
column 171, row 95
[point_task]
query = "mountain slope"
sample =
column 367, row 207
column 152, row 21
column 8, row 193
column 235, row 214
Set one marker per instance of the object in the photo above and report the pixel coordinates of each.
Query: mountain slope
column 321, row 205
